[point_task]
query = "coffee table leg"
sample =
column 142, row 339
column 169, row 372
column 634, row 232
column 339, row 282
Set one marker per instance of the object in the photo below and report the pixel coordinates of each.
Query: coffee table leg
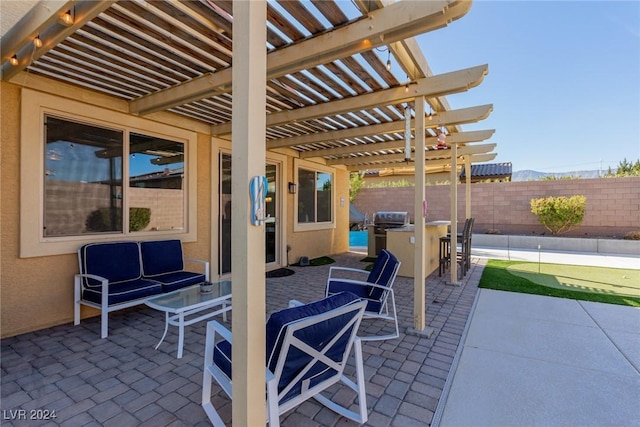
column 180, row 334
column 166, row 328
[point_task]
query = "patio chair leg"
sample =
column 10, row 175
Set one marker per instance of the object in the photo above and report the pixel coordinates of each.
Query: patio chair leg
column 272, row 403
column 76, row 301
column 362, row 395
column 206, row 383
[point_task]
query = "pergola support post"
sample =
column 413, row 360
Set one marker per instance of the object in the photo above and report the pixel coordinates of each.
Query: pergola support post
column 453, row 177
column 419, row 291
column 248, row 249
column 467, row 187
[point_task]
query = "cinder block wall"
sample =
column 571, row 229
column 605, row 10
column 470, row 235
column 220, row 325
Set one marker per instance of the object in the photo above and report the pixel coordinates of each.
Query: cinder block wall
column 613, row 204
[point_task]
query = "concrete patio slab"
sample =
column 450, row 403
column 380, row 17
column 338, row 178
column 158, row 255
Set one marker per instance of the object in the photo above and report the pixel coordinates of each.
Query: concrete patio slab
column 518, row 366
column 492, row 388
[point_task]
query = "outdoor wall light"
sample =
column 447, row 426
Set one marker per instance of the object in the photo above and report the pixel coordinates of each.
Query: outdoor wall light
column 13, row 60
column 37, row 42
column 67, row 18
column 292, row 188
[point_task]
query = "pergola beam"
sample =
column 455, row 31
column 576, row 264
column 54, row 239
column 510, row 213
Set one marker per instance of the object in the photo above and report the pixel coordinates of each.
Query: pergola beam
column 464, row 115
column 456, row 138
column 442, row 84
column 390, row 24
column 45, row 21
column 439, row 163
column 429, row 155
column 410, row 58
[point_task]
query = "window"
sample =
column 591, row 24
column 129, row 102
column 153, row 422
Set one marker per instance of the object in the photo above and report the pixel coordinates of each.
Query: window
column 84, row 180
column 89, row 174
column 314, row 197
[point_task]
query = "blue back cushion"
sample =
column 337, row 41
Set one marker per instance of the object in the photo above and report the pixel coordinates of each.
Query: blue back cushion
column 382, row 272
column 160, row 257
column 316, row 336
column 383, row 268
column 116, row 261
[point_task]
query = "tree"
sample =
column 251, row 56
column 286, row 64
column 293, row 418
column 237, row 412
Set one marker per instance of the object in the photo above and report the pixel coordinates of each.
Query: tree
column 356, row 182
column 559, row 214
column 626, row 168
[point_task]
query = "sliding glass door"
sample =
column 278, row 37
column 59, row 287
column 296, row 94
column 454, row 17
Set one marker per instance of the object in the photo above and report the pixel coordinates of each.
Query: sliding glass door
column 271, row 227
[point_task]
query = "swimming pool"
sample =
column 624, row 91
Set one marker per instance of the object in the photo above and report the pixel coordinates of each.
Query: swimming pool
column 358, row 238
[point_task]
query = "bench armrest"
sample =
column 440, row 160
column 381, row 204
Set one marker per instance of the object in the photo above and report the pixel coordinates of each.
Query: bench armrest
column 201, row 261
column 104, row 283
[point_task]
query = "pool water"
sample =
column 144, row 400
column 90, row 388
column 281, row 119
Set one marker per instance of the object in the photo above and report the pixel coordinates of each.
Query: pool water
column 358, row 238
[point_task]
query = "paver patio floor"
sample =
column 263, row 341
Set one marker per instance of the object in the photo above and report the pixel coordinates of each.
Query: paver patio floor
column 122, row 381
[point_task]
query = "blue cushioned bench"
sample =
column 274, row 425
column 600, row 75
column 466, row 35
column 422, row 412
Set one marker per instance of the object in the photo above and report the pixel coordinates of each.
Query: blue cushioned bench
column 117, row 275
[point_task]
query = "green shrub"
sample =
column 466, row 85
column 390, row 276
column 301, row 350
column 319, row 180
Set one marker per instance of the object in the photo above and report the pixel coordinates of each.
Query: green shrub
column 139, row 218
column 559, row 214
column 356, row 182
column 103, row 220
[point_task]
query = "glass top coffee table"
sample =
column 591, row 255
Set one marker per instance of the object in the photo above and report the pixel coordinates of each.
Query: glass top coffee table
column 182, row 307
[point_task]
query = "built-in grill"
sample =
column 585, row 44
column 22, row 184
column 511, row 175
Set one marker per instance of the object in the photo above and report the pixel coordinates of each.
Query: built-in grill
column 383, row 221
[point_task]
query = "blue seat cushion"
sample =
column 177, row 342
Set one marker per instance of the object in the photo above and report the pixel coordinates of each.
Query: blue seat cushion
column 374, row 305
column 123, row 291
column 161, row 257
column 115, row 261
column 336, row 286
column 177, row 280
column 316, row 336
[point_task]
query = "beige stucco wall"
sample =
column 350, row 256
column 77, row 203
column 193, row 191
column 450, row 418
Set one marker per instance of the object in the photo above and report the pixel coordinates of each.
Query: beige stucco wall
column 613, row 204
column 37, row 292
column 321, row 242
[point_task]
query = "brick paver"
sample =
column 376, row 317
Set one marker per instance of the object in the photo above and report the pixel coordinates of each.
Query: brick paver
column 123, row 381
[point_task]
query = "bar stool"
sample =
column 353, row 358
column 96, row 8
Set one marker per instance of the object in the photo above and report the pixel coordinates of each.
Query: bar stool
column 444, row 254
column 464, row 257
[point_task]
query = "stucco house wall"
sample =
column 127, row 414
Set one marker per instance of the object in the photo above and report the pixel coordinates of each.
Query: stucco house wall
column 37, row 292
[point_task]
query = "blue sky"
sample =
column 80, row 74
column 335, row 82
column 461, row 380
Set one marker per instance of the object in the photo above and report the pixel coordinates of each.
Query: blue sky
column 564, row 79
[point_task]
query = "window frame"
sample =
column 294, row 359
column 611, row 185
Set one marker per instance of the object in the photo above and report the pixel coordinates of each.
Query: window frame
column 310, row 226
column 38, row 105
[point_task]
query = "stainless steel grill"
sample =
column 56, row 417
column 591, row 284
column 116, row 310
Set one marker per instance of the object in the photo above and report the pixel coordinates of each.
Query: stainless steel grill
column 383, row 221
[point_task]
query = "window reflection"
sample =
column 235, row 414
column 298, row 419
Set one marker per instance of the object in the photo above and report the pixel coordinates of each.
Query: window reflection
column 156, row 177
column 314, row 196
column 82, row 179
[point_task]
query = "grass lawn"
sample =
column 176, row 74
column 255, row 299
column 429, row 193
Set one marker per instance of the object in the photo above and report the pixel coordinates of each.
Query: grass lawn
column 598, row 284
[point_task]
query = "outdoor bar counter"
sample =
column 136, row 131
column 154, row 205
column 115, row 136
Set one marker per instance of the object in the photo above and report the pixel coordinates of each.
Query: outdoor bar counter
column 401, row 243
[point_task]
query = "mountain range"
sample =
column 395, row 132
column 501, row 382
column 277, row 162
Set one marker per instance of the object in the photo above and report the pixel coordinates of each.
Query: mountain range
column 531, row 175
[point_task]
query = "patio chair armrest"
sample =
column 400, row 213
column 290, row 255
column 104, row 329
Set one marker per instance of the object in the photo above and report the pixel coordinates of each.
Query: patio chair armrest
column 363, row 283
column 349, row 269
column 351, row 282
column 214, row 327
column 340, row 285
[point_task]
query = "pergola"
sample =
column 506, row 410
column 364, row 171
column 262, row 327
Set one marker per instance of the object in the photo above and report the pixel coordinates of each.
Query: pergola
column 317, row 82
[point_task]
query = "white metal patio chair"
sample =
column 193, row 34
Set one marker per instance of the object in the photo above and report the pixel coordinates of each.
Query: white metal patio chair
column 376, row 289
column 307, row 350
